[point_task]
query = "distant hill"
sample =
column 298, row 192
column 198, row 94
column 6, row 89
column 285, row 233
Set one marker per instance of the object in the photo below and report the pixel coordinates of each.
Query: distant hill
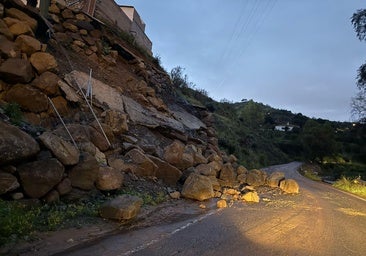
column 260, row 135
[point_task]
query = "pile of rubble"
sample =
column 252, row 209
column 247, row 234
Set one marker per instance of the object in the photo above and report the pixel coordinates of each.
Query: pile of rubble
column 133, row 130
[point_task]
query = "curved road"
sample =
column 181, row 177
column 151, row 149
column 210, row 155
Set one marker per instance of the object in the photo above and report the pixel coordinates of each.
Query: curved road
column 318, row 221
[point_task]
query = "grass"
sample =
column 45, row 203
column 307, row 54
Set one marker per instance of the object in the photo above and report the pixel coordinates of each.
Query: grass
column 20, row 221
column 310, row 171
column 351, row 185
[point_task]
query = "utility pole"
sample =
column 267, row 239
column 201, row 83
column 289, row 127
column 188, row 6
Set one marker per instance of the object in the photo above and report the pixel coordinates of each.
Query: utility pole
column 43, row 7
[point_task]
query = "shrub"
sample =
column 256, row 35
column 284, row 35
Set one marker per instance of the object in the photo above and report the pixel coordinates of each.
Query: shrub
column 13, row 111
column 353, row 185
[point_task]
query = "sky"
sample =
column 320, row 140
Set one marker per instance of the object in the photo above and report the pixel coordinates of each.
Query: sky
column 298, row 55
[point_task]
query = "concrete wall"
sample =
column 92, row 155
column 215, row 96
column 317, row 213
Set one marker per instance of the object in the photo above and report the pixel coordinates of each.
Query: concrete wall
column 125, row 18
column 137, row 28
column 109, row 11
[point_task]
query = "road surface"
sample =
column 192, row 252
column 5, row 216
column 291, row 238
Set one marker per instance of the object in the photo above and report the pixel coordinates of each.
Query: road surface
column 318, row 221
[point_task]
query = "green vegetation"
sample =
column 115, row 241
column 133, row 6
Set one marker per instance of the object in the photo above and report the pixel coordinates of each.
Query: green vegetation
column 359, row 101
column 352, row 185
column 247, row 130
column 311, row 171
column 13, row 111
column 19, row 220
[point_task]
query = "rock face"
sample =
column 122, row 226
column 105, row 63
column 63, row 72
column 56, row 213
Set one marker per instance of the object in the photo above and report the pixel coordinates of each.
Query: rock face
column 289, row 186
column 64, row 151
column 39, row 177
column 124, row 207
column 15, row 144
column 197, row 187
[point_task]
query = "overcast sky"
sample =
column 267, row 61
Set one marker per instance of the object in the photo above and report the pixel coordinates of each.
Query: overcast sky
column 298, row 55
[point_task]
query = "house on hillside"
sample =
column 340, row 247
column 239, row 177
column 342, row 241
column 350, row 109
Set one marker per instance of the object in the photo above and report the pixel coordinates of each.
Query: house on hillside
column 124, row 17
column 284, row 128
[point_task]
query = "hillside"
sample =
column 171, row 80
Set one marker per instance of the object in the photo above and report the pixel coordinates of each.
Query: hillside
column 89, row 120
column 260, row 135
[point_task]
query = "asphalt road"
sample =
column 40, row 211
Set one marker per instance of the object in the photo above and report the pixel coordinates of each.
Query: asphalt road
column 318, row 221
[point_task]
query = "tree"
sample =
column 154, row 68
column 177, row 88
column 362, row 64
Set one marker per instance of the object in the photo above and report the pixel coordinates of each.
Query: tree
column 179, row 79
column 359, row 101
column 252, row 113
column 318, row 140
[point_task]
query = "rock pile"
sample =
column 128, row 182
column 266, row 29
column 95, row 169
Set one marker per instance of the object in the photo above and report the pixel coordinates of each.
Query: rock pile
column 137, row 131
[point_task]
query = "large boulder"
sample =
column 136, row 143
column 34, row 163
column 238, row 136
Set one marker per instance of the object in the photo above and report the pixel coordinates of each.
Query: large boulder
column 29, row 98
column 124, row 207
column 43, row 61
column 85, row 173
column 228, row 173
column 64, row 187
column 141, row 165
column 109, row 178
column 28, row 44
column 289, row 186
column 15, row 145
column 39, row 177
column 47, row 82
column 273, row 180
column 256, row 178
column 206, row 170
column 8, row 182
column 84, row 133
column 165, row 171
column 8, row 49
column 176, row 155
column 16, row 70
column 251, row 196
column 63, row 150
column 5, row 30
column 197, row 187
column 18, row 27
column 18, row 14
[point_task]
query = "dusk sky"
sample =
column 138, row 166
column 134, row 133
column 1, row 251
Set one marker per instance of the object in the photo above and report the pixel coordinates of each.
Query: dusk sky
column 298, row 55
